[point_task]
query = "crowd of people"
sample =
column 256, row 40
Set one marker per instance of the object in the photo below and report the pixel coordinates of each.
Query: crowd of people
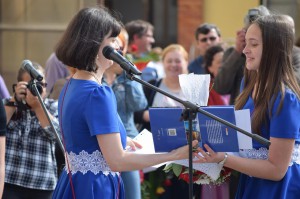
column 97, row 111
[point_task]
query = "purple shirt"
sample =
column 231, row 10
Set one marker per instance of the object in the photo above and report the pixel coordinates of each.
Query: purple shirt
column 54, row 70
column 3, row 89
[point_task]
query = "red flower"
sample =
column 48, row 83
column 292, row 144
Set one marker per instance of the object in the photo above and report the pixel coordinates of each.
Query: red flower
column 185, row 176
column 225, row 171
column 134, row 48
column 167, row 182
column 198, row 176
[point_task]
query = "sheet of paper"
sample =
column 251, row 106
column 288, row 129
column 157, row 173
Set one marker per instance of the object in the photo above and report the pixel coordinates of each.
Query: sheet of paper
column 243, row 121
column 145, row 138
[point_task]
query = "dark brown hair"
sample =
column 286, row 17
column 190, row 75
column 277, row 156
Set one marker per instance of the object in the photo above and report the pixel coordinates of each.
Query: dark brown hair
column 209, row 57
column 81, row 41
column 275, row 72
column 22, row 71
column 205, row 29
column 137, row 27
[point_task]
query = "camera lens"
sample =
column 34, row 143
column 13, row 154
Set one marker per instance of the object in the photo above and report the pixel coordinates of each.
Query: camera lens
column 39, row 87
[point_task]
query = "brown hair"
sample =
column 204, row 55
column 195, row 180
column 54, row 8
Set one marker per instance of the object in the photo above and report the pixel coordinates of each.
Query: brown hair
column 35, row 65
column 275, row 72
column 137, row 27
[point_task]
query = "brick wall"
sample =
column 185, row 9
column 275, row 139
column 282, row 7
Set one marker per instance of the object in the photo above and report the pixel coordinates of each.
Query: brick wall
column 190, row 16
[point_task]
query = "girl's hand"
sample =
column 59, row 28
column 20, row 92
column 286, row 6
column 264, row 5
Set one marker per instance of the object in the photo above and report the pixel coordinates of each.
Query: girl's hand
column 132, row 145
column 182, row 153
column 210, row 156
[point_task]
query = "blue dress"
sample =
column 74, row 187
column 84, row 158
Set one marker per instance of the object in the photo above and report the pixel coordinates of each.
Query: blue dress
column 88, row 110
column 284, row 125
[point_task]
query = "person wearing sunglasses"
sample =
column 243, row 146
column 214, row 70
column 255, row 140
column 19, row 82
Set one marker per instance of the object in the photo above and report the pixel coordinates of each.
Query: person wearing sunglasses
column 31, row 167
column 206, row 35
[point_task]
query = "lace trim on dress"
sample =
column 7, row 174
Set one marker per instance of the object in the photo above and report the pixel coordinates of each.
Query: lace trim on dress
column 84, row 162
column 263, row 154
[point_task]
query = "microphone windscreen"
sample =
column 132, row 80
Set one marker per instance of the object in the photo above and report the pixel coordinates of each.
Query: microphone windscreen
column 107, row 51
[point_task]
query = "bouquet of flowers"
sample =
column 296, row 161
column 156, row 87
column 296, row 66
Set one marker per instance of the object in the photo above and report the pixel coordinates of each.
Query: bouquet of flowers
column 141, row 62
column 182, row 172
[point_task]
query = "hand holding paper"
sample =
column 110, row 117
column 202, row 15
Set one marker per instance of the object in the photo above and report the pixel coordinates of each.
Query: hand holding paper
column 132, row 144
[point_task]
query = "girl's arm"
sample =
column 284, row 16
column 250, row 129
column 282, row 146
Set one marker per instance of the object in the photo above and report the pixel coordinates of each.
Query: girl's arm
column 120, row 160
column 274, row 168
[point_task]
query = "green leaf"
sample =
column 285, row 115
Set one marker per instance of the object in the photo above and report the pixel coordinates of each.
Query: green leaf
column 168, row 167
column 177, row 169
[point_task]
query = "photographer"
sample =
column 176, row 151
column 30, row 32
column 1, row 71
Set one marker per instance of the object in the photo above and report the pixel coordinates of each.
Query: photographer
column 31, row 168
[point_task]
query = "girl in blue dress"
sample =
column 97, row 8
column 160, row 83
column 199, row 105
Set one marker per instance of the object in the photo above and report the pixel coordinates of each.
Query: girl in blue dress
column 271, row 92
column 93, row 134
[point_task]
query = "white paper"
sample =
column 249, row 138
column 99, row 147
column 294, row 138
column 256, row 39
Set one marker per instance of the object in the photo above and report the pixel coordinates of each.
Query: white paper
column 211, row 169
column 195, row 87
column 145, row 138
column 243, row 121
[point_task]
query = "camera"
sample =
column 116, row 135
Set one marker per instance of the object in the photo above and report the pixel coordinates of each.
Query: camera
column 39, row 86
column 253, row 14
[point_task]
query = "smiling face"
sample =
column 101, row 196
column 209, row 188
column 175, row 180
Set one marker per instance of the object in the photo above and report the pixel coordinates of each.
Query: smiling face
column 144, row 42
column 175, row 63
column 254, row 47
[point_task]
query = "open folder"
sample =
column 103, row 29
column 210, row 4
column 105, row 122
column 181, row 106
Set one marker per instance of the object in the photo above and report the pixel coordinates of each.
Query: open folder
column 147, row 140
column 170, row 131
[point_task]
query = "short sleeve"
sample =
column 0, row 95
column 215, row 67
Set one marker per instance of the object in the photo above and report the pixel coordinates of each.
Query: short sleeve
column 101, row 111
column 286, row 124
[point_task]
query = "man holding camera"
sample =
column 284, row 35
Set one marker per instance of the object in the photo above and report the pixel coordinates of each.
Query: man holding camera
column 31, row 168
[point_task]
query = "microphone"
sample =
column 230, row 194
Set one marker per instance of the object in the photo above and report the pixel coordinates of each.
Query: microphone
column 27, row 66
column 112, row 54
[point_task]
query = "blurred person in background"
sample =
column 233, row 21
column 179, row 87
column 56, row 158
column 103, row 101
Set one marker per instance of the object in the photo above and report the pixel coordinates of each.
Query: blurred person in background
column 2, row 146
column 54, row 70
column 3, row 89
column 212, row 62
column 145, row 57
column 130, row 98
column 206, row 35
column 175, row 62
column 59, row 84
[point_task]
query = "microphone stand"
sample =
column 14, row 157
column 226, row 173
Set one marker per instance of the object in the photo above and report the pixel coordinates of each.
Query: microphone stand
column 36, row 93
column 189, row 114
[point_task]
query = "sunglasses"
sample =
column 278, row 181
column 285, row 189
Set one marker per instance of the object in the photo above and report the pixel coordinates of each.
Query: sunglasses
column 206, row 38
